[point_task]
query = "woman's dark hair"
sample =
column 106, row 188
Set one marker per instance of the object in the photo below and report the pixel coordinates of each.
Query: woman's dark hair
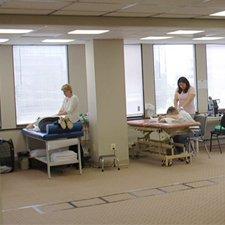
column 183, row 80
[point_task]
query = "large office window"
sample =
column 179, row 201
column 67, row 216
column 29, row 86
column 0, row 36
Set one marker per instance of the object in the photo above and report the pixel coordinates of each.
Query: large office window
column 170, row 63
column 215, row 72
column 133, row 80
column 39, row 73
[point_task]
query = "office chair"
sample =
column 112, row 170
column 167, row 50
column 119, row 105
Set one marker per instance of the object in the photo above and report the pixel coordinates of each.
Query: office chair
column 219, row 130
column 198, row 133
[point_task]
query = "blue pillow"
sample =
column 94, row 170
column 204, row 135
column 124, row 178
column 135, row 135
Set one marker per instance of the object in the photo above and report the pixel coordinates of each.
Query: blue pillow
column 55, row 128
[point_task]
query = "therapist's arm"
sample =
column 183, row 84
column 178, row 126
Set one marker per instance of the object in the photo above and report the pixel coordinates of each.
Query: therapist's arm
column 189, row 99
column 175, row 100
column 62, row 112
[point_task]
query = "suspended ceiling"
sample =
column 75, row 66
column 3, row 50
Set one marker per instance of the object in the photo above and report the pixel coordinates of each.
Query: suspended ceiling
column 126, row 19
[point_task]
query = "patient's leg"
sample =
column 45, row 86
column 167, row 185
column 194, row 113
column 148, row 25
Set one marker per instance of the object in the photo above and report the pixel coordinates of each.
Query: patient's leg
column 45, row 121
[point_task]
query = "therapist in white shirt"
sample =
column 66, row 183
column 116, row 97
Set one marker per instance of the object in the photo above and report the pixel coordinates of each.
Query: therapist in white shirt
column 70, row 106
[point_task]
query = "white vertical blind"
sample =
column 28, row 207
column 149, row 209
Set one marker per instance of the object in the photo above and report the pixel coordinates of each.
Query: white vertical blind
column 39, row 73
column 170, row 63
column 215, row 72
column 133, row 80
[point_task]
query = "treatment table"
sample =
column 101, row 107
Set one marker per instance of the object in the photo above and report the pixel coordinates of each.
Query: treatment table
column 55, row 141
column 158, row 138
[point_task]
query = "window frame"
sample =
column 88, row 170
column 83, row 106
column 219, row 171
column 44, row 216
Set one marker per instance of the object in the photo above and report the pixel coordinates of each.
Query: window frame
column 195, row 71
column 207, row 77
column 20, row 126
column 142, row 83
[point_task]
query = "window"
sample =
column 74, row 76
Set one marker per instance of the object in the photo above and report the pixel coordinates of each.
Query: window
column 133, row 80
column 39, row 73
column 215, row 72
column 170, row 63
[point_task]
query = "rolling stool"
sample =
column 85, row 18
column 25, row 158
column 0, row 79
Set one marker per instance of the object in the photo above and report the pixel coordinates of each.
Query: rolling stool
column 113, row 157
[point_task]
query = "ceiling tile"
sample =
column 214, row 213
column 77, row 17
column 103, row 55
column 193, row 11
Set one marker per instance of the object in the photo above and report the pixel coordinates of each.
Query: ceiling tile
column 168, row 15
column 213, row 3
column 145, row 8
column 109, row 1
column 172, row 2
column 129, row 14
column 26, row 4
column 89, row 7
column 78, row 13
column 191, row 10
column 25, row 11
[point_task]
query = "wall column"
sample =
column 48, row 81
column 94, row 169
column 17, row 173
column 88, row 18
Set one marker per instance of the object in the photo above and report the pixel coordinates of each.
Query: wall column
column 148, row 73
column 77, row 74
column 201, row 76
column 107, row 98
column 7, row 91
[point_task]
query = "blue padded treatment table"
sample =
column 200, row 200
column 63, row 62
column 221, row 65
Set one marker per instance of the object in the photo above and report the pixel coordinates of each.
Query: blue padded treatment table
column 54, row 131
column 46, row 136
column 56, row 138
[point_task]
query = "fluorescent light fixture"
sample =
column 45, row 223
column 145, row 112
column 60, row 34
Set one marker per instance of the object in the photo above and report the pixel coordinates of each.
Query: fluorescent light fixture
column 88, row 31
column 57, row 40
column 222, row 13
column 2, row 40
column 207, row 38
column 156, row 38
column 14, row 31
column 186, row 32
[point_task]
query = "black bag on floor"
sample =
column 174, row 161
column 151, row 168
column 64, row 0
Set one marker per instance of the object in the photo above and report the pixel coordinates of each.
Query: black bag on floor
column 7, row 154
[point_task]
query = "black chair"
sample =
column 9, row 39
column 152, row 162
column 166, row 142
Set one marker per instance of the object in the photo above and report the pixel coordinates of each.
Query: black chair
column 218, row 131
column 198, row 133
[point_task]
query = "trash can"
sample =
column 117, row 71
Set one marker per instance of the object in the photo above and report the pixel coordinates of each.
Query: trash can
column 23, row 159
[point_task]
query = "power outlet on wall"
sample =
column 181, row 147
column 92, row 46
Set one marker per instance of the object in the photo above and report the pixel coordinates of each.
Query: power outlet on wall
column 113, row 146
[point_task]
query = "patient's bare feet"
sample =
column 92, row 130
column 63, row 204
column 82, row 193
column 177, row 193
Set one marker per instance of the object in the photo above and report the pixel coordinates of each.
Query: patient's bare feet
column 69, row 123
column 30, row 126
column 62, row 122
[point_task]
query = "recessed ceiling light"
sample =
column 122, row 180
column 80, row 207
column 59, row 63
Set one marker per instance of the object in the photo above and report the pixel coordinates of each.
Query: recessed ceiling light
column 14, row 31
column 156, row 38
column 3, row 40
column 186, row 32
column 207, row 38
column 222, row 13
column 88, row 31
column 58, row 40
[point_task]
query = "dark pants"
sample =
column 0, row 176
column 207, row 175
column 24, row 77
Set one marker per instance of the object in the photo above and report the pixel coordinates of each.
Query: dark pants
column 181, row 139
column 45, row 121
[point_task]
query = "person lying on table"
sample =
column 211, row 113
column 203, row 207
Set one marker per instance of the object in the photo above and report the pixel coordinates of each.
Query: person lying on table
column 67, row 115
column 174, row 116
